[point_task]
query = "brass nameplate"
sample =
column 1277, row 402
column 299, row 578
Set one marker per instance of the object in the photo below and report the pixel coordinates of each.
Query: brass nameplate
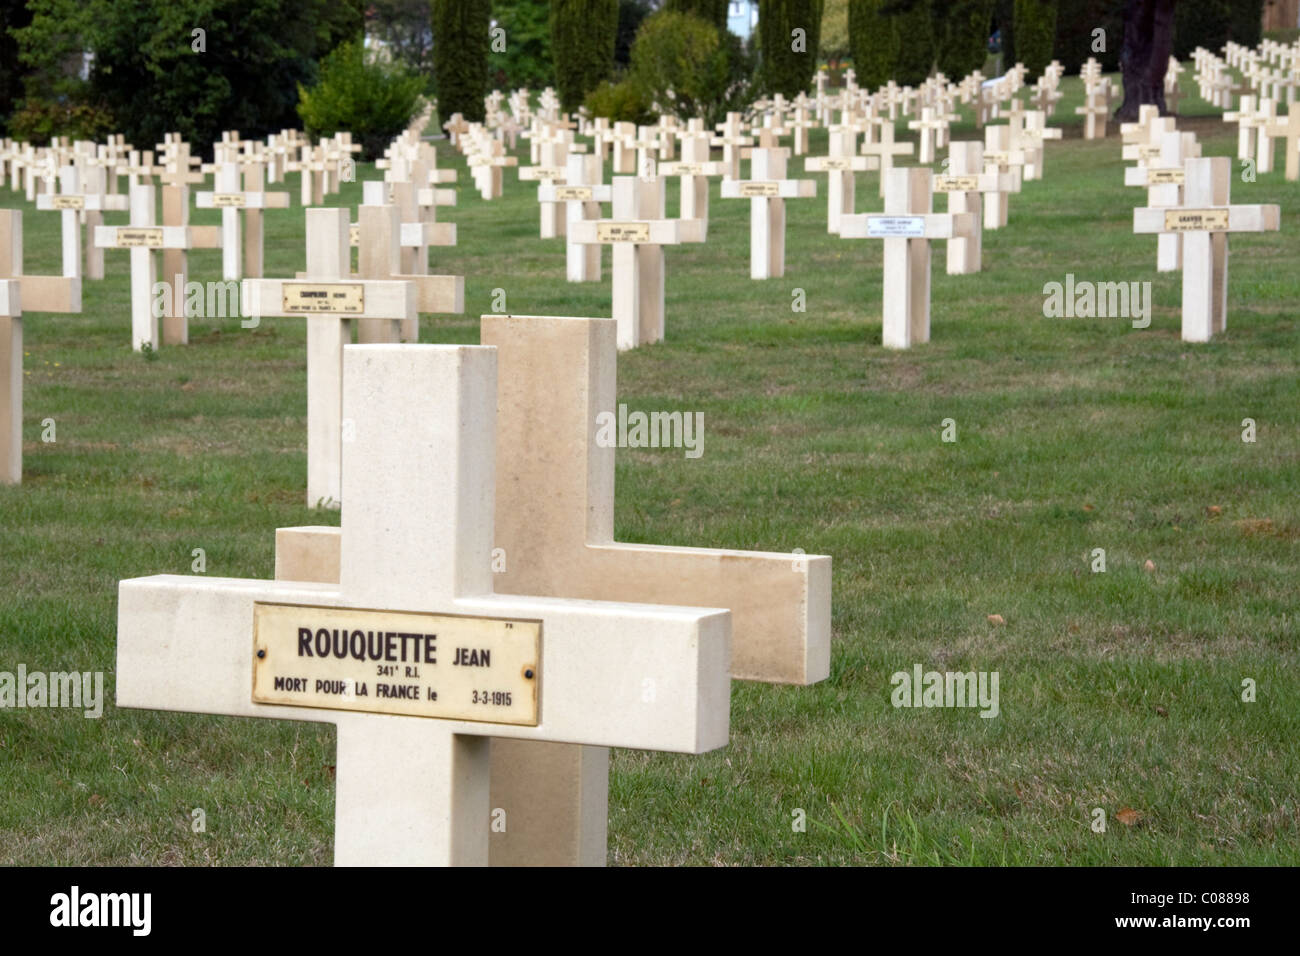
column 757, row 190
column 572, row 192
column 333, row 298
column 127, row 237
column 392, row 662
column 1165, row 177
column 1196, row 220
column 622, row 232
column 956, row 184
column 997, row 157
column 549, row 172
column 68, row 202
column 688, row 169
column 1147, row 152
column 896, row 227
column 224, row 200
column 833, row 163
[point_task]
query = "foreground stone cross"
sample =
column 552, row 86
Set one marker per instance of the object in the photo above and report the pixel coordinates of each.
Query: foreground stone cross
column 907, row 226
column 767, row 189
column 638, row 232
column 556, row 376
column 454, row 663
column 965, row 180
column 1164, row 182
column 143, row 238
column 840, row 163
column 231, row 200
column 1204, row 220
column 19, row 292
column 330, row 300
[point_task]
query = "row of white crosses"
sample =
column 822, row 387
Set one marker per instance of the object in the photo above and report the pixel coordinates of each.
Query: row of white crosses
column 1099, row 95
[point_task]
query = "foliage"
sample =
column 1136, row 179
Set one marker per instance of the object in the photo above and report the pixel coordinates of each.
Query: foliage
column 963, row 43
column 13, row 15
column 711, row 11
column 1212, row 23
column 1035, row 34
column 152, row 74
column 834, row 42
column 1076, row 37
column 873, row 40
column 460, row 56
column 40, row 120
column 916, row 51
column 526, row 60
column 582, row 46
column 689, row 68
column 622, row 102
column 405, row 30
column 631, row 14
column 789, row 59
column 374, row 101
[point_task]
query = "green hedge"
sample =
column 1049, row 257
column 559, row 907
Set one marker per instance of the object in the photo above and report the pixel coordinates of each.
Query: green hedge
column 582, row 46
column 372, row 101
column 1076, row 22
column 711, row 11
column 785, row 70
column 873, row 41
column 964, row 45
column 916, row 49
column 1212, row 23
column 461, row 47
column 1035, row 26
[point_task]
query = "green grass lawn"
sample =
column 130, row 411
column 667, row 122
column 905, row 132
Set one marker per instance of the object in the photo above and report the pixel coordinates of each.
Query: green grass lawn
column 1118, row 690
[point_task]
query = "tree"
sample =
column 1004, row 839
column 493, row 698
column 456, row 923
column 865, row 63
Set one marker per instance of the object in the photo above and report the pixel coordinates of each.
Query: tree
column 403, row 28
column 193, row 66
column 1144, row 56
column 631, row 14
column 461, row 44
column 1035, row 22
column 582, row 46
column 916, row 50
column 963, row 40
column 873, row 40
column 711, row 11
column 789, row 34
column 526, row 59
column 835, row 29
column 374, row 100
column 14, row 14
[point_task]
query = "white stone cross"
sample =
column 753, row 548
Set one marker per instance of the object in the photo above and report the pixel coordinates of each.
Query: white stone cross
column 72, row 201
column 907, row 226
column 231, row 199
column 928, row 126
column 1204, row 219
column 1096, row 112
column 840, row 164
column 550, row 171
column 885, row 149
column 1001, row 158
column 732, row 139
column 695, row 168
column 582, row 193
column 1164, row 179
column 20, row 292
column 966, row 178
column 143, row 238
column 561, row 544
column 767, row 190
column 454, row 663
column 1247, row 120
column 638, row 232
column 1265, row 123
column 330, row 299
column 1288, row 131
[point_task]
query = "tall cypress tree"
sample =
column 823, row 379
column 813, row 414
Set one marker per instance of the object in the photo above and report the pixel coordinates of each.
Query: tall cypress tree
column 1035, row 24
column 461, row 46
column 714, row 11
column 789, row 58
column 582, row 46
column 916, row 48
column 873, row 40
column 964, row 46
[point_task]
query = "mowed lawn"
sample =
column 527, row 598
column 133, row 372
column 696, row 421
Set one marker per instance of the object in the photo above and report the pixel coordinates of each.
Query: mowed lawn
column 1119, row 690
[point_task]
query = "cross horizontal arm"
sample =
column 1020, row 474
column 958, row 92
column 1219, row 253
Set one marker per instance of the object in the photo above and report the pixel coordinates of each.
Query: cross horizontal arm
column 92, row 201
column 185, row 643
column 652, row 232
column 248, row 200
column 1239, row 219
column 929, row 226
column 360, row 298
column 151, row 237
column 770, row 189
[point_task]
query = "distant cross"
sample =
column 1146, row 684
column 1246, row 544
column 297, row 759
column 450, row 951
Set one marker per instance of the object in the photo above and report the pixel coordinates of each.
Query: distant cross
column 1288, row 130
column 767, row 189
column 731, row 138
column 886, row 149
column 907, row 226
column 840, row 164
column 581, row 193
column 1164, row 178
column 71, row 201
column 231, row 199
column 694, row 170
column 1001, row 158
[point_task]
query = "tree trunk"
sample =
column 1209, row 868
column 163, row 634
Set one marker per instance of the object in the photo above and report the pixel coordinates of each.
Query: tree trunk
column 1144, row 57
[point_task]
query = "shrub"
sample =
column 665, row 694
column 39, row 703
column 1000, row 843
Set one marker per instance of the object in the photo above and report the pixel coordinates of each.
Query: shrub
column 619, row 103
column 373, row 101
column 582, row 46
column 39, row 121
column 688, row 68
column 965, row 38
column 916, row 51
column 461, row 47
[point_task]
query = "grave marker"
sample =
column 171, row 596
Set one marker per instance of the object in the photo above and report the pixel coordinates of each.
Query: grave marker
column 767, row 190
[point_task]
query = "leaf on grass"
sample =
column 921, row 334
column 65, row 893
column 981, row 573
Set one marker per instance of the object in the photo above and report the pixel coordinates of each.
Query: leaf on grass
column 1150, row 565
column 1161, row 711
column 996, row 619
column 1128, row 816
column 96, row 800
column 1214, row 510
